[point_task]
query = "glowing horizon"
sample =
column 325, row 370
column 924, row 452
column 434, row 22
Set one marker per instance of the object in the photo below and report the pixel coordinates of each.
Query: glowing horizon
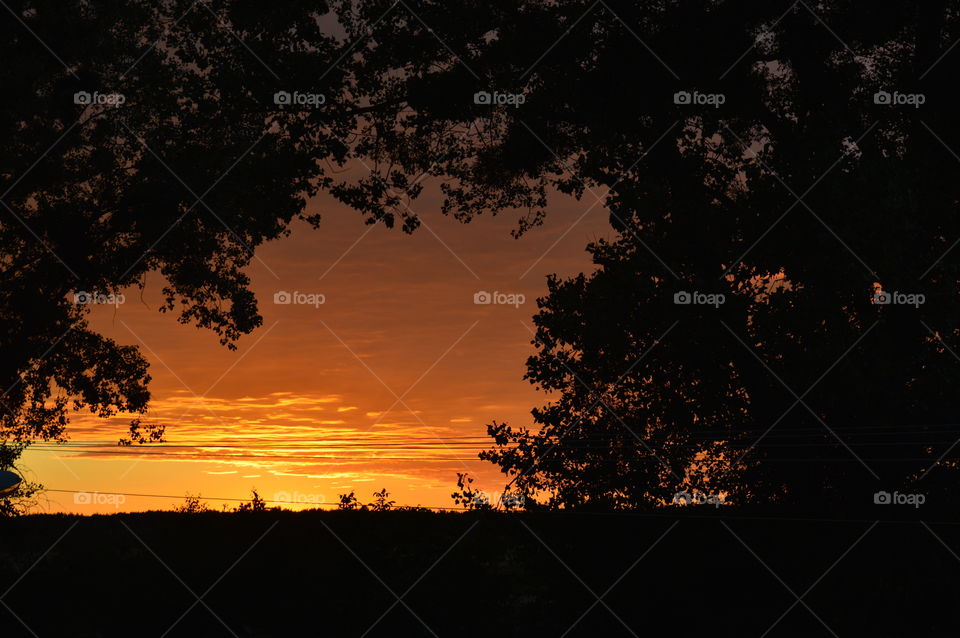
column 308, row 403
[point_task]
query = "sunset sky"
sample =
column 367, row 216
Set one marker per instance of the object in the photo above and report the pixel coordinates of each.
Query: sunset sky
column 306, row 408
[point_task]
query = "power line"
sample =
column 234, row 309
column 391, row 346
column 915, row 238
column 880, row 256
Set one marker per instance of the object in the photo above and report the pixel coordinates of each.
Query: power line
column 673, row 513
column 400, row 440
column 592, row 440
column 373, row 455
column 376, row 445
column 230, row 499
column 272, row 457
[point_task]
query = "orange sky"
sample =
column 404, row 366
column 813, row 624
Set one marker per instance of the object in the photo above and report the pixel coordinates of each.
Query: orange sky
column 301, row 406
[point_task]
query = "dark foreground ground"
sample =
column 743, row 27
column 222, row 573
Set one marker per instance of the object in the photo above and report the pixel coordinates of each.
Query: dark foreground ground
column 341, row 574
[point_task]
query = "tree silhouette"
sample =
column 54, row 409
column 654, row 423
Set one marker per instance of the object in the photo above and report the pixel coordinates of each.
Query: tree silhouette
column 794, row 159
column 805, row 200
column 25, row 497
column 350, row 502
column 773, row 153
column 192, row 505
column 149, row 138
column 256, row 504
column 381, row 501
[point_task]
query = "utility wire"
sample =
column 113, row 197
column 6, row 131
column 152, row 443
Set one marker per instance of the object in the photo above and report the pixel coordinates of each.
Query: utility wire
column 673, row 513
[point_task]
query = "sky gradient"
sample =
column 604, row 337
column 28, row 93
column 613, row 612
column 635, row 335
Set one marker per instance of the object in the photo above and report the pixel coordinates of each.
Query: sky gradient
column 307, row 408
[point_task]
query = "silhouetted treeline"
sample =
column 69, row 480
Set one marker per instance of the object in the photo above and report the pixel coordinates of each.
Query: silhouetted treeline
column 774, row 318
column 336, row 573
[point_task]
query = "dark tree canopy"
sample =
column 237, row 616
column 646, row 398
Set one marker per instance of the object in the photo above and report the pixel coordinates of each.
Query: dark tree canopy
column 822, row 177
column 145, row 137
column 798, row 197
